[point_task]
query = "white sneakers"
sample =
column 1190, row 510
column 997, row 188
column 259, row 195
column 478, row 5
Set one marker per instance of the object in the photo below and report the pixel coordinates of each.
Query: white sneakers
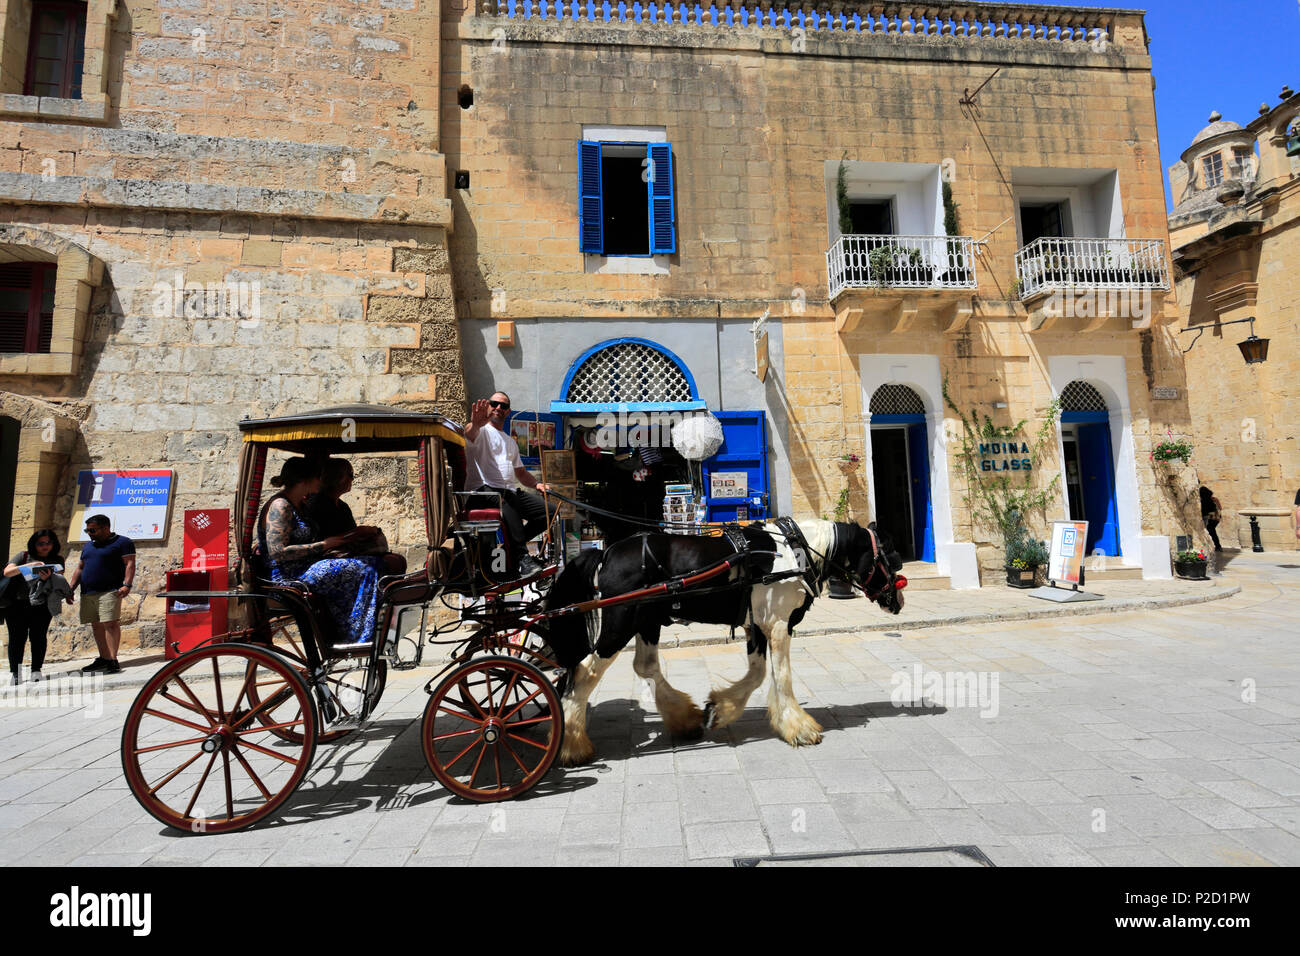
column 37, row 677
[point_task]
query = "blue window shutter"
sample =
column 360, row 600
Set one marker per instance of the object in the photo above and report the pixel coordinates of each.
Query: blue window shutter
column 663, row 235
column 592, row 213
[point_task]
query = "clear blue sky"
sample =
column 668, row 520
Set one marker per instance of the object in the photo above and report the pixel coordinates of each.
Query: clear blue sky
column 1217, row 55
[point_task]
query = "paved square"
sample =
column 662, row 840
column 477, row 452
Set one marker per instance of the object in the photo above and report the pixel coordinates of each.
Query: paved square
column 1145, row 737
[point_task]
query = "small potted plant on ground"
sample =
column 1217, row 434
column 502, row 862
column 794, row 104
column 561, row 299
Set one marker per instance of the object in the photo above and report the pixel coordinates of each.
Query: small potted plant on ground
column 839, row 587
column 1025, row 556
column 1191, row 565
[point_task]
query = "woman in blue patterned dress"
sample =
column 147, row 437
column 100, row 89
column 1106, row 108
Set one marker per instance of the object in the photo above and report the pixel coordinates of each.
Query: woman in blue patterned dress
column 295, row 552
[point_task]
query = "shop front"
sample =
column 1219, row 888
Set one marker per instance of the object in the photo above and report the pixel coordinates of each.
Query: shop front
column 615, row 403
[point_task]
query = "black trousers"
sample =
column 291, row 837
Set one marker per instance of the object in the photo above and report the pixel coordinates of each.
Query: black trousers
column 26, row 622
column 1214, row 535
column 524, row 514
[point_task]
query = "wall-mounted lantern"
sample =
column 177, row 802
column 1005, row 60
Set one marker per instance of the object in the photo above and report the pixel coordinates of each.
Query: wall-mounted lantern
column 1254, row 349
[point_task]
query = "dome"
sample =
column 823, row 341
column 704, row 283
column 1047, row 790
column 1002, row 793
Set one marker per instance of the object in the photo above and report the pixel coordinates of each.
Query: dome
column 1217, row 126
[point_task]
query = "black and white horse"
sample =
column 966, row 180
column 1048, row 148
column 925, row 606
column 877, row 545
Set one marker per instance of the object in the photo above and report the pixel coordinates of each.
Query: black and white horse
column 767, row 611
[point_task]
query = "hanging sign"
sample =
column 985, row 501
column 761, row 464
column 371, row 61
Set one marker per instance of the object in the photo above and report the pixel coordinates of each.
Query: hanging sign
column 728, row 484
column 1065, row 561
column 137, row 502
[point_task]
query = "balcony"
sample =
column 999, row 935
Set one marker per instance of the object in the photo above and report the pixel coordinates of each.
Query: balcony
column 900, row 276
column 1050, row 265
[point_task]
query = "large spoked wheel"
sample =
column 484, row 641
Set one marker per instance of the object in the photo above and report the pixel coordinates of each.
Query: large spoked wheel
column 492, row 729
column 527, row 642
column 201, row 755
column 346, row 678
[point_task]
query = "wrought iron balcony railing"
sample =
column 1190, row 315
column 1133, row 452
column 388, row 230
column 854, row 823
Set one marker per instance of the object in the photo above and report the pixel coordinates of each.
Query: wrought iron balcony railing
column 1054, row 264
column 900, row 262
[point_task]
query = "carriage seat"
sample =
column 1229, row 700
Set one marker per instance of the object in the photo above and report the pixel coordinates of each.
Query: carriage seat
column 483, row 514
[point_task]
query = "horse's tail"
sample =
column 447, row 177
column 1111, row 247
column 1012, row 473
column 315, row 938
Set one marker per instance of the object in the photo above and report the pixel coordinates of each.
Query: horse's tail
column 567, row 633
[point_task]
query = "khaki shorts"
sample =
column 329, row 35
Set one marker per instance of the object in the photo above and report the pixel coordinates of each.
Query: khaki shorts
column 104, row 607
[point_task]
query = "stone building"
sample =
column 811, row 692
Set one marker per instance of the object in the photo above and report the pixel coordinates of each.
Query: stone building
column 210, row 211
column 912, row 194
column 1235, row 230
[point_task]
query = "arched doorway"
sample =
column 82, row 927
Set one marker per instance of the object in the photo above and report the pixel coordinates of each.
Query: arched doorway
column 900, row 470
column 1090, row 466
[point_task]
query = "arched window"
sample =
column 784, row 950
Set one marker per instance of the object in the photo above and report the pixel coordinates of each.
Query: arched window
column 896, row 400
column 1079, row 396
column 628, row 371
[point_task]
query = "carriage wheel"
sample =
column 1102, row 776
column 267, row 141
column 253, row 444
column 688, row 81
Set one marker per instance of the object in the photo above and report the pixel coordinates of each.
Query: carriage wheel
column 345, row 677
column 200, row 755
column 492, row 729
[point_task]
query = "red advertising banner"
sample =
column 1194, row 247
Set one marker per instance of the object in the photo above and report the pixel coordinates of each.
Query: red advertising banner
column 207, row 539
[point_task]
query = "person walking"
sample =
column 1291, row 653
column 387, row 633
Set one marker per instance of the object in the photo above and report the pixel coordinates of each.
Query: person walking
column 25, row 621
column 105, row 573
column 1211, row 514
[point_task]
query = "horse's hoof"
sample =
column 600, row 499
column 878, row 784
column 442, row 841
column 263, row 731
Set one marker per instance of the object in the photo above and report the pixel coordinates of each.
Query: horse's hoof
column 577, row 752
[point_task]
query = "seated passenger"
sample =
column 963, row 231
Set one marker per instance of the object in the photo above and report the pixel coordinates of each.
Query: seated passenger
column 296, row 551
column 332, row 516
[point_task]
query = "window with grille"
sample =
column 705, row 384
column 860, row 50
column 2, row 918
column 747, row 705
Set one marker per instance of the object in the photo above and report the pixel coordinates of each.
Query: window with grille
column 56, row 49
column 1081, row 397
column 26, row 306
column 896, row 400
column 628, row 372
column 1213, row 169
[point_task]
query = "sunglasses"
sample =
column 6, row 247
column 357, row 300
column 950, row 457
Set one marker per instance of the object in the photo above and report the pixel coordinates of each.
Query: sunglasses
column 498, row 404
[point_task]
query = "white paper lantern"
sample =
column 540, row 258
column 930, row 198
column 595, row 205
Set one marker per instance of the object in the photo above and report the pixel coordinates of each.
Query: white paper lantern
column 698, row 437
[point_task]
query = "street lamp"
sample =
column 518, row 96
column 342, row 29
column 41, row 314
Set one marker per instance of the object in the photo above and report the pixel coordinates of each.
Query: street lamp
column 1254, row 349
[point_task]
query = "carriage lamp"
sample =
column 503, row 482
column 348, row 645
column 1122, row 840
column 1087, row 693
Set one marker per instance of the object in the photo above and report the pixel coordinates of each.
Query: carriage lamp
column 1254, row 349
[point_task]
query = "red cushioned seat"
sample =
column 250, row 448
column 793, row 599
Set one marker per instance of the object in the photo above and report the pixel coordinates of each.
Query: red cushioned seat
column 483, row 514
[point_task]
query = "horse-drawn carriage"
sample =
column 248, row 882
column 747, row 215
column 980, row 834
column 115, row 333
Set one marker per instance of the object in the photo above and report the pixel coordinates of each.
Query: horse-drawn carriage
column 221, row 736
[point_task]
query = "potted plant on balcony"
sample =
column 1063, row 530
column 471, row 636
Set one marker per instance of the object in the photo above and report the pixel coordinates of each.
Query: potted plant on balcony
column 855, row 273
column 959, row 273
column 1191, row 565
column 880, row 264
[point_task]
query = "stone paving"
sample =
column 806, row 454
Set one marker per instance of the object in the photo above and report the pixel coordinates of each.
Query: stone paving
column 1168, row 736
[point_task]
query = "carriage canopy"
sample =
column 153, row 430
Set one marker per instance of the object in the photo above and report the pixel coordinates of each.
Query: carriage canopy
column 349, row 430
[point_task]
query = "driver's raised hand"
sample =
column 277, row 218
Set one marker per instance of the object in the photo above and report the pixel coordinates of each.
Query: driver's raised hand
column 480, row 413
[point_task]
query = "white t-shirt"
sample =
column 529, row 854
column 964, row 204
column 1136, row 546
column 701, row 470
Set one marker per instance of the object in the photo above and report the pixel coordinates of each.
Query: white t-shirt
column 491, row 459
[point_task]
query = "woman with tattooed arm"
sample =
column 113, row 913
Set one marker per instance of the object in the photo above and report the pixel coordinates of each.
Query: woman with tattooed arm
column 294, row 551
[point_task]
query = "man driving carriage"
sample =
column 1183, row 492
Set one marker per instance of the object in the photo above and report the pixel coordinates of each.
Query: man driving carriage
column 493, row 465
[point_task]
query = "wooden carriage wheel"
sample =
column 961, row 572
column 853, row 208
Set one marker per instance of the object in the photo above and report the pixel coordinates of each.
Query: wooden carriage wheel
column 200, row 755
column 492, row 729
column 345, row 677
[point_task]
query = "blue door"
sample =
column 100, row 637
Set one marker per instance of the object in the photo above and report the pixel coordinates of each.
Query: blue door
column 895, row 478
column 744, row 450
column 1097, row 476
column 918, row 454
